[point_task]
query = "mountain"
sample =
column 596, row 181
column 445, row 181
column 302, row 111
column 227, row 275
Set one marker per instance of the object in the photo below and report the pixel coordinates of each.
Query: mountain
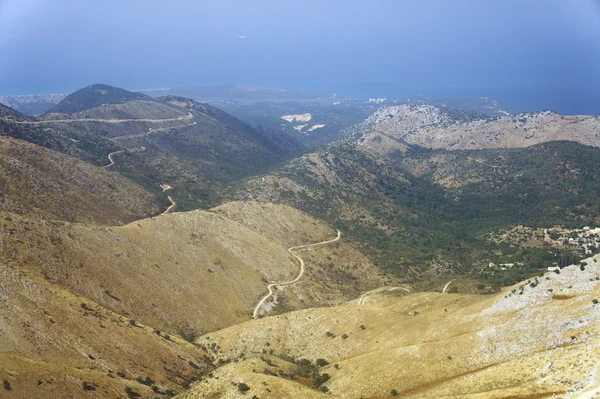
column 34, row 104
column 95, row 96
column 483, row 105
column 192, row 147
column 442, row 128
column 418, row 212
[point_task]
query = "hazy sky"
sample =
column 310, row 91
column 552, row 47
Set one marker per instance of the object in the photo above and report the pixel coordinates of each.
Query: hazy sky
column 531, row 53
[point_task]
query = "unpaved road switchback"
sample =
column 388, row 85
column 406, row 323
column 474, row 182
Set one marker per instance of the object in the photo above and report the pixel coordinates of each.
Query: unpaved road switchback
column 302, row 268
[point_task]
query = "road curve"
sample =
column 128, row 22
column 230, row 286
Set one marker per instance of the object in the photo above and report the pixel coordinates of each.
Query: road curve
column 446, row 286
column 166, row 187
column 110, row 158
column 302, row 268
column 177, row 118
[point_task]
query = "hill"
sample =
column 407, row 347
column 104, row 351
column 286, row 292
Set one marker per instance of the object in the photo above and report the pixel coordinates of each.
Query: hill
column 105, row 305
column 418, row 212
column 94, row 96
column 536, row 339
column 192, row 147
column 444, row 128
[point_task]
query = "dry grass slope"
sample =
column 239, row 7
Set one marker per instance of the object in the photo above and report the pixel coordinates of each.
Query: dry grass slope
column 521, row 343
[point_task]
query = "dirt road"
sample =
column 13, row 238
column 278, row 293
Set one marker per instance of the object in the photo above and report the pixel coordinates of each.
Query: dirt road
column 302, row 269
column 178, row 118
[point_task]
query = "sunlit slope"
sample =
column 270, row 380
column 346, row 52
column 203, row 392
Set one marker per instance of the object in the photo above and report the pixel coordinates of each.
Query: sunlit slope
column 539, row 338
column 189, row 272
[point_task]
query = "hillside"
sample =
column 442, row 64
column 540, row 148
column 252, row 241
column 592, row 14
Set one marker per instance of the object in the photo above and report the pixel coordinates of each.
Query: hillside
column 94, row 96
column 85, row 145
column 536, row 339
column 70, row 289
column 193, row 147
column 418, row 212
column 201, row 256
column 444, row 128
column 38, row 182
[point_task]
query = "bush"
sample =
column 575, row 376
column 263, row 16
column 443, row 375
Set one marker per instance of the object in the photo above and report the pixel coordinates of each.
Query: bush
column 595, row 301
column 131, row 322
column 87, row 386
column 6, row 385
column 243, row 387
column 394, row 392
column 145, row 381
column 322, row 362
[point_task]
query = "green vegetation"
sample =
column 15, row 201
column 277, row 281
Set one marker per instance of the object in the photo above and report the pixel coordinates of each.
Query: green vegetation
column 6, row 385
column 407, row 223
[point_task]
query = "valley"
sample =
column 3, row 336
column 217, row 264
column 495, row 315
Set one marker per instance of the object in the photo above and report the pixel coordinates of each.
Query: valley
column 160, row 247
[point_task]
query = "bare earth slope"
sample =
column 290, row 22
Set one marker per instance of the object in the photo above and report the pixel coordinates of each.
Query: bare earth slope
column 537, row 339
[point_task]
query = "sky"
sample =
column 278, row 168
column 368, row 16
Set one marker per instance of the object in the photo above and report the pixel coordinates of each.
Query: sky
column 530, row 54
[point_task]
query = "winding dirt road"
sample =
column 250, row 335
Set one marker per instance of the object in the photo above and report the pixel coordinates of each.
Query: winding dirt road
column 177, row 118
column 110, row 158
column 170, row 208
column 162, row 129
column 302, row 268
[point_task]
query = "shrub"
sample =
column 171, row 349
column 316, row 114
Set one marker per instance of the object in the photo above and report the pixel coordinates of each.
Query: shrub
column 595, row 301
column 87, row 386
column 394, row 392
column 145, row 381
column 120, row 374
column 155, row 388
column 131, row 322
column 322, row 362
column 6, row 385
column 344, row 336
column 243, row 387
column 130, row 392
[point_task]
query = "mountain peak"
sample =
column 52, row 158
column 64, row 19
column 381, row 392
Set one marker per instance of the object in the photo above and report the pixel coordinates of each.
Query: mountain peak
column 95, row 96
